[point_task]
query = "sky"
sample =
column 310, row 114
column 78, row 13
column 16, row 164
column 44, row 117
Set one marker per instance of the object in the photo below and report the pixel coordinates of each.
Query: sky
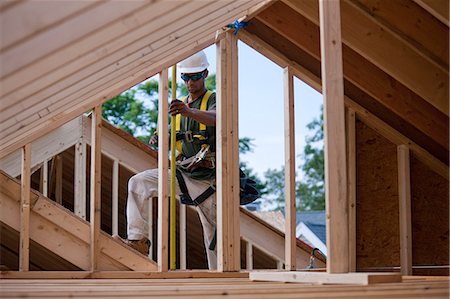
column 261, row 108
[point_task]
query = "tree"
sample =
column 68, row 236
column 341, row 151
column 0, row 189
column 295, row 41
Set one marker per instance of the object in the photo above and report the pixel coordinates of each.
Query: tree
column 311, row 191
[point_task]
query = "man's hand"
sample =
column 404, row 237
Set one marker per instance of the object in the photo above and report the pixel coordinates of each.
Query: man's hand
column 178, row 107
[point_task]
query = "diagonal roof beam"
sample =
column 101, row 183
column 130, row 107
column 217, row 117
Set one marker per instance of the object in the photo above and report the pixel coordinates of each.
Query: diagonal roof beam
column 379, row 45
column 438, row 8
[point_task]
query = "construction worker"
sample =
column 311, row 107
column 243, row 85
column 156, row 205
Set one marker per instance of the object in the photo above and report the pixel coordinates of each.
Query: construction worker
column 196, row 135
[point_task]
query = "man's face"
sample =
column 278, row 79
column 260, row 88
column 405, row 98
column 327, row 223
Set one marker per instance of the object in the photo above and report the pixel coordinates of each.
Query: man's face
column 195, row 82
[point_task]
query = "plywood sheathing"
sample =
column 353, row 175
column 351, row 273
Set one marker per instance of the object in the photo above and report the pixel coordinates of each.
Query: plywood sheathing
column 377, row 208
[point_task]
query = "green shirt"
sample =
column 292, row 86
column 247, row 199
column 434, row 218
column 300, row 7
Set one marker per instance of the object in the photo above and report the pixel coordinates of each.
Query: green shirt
column 192, row 148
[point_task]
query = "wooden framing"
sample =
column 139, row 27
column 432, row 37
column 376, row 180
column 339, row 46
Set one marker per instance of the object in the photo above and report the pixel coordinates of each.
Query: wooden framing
column 58, row 178
column 80, row 176
column 178, row 39
column 373, row 41
column 96, row 180
column 249, row 255
column 351, row 189
column 163, row 173
column 44, row 178
column 115, row 198
column 404, row 194
column 228, row 225
column 24, row 243
column 334, row 129
column 182, row 232
column 438, row 8
column 289, row 171
column 327, row 278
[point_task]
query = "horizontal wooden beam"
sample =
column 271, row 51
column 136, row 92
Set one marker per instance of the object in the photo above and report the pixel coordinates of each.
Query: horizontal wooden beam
column 327, row 278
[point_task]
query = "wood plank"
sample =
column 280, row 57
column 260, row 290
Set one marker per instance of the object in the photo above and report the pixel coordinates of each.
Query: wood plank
column 22, row 21
column 136, row 75
column 80, row 175
column 55, row 228
column 115, row 198
column 96, row 187
column 24, row 243
column 404, row 194
column 289, row 171
column 44, row 175
column 44, row 148
column 334, row 129
column 327, row 278
column 402, row 17
column 228, row 225
column 249, row 255
column 59, row 36
column 374, row 41
column 163, row 173
column 438, row 8
column 351, row 181
column 183, row 241
column 58, row 178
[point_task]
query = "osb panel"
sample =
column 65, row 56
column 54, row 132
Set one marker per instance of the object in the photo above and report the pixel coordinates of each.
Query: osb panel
column 377, row 223
column 430, row 218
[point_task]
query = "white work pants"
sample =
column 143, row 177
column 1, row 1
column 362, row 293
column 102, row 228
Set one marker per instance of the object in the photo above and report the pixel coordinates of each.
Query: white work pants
column 144, row 186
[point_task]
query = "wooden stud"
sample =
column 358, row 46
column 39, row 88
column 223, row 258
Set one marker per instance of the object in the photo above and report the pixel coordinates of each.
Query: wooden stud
column 334, row 122
column 115, row 197
column 404, row 194
column 44, row 178
column 351, row 181
column 289, row 171
column 24, row 248
column 150, row 227
column 163, row 172
column 96, row 179
column 80, row 178
column 228, row 225
column 182, row 231
column 58, row 179
column 249, row 255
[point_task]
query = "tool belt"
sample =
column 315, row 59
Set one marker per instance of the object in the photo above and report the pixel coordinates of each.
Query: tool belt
column 203, row 159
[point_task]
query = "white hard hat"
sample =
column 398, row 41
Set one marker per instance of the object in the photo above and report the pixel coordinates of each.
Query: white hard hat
column 194, row 64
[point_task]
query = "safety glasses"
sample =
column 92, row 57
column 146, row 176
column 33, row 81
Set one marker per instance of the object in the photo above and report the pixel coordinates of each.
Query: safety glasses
column 193, row 77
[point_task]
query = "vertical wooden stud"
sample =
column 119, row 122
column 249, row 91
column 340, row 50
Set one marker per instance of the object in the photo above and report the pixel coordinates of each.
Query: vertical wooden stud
column 404, row 193
column 249, row 255
column 289, row 171
column 163, row 173
column 80, row 178
column 150, row 227
column 115, row 197
column 351, row 180
column 182, row 236
column 44, row 178
column 58, row 179
column 96, row 177
column 24, row 243
column 335, row 152
column 228, row 218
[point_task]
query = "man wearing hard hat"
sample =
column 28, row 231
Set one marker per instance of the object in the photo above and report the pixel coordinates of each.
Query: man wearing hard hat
column 196, row 143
